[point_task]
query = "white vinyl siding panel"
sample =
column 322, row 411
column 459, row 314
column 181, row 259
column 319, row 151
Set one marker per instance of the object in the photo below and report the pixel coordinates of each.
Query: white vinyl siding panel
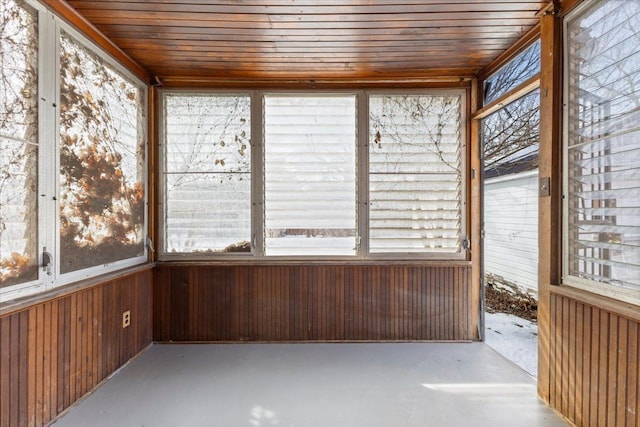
column 602, row 208
column 511, row 230
column 415, row 179
column 310, row 175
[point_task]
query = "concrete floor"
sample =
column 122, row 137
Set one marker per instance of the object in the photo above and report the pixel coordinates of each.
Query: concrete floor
column 400, row 384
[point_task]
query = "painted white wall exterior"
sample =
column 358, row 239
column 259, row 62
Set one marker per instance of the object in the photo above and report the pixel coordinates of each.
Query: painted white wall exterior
column 511, row 230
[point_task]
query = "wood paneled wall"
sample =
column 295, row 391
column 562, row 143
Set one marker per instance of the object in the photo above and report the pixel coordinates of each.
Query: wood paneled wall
column 312, row 303
column 52, row 353
column 594, row 356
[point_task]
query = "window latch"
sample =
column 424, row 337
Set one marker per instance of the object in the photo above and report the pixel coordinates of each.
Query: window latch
column 466, row 243
column 47, row 262
column 150, row 244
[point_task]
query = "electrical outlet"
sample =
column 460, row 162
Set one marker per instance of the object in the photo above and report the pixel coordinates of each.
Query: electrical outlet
column 126, row 318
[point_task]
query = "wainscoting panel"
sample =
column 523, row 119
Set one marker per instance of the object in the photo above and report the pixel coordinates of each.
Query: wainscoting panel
column 54, row 352
column 594, row 361
column 312, row 303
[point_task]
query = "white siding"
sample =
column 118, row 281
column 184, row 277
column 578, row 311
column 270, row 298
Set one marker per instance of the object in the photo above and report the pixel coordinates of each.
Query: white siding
column 511, row 229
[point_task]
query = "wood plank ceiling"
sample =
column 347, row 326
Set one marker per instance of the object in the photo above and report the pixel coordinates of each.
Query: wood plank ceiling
column 311, row 39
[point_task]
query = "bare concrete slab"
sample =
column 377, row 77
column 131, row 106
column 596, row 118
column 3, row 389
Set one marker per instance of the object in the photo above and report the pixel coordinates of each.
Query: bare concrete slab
column 399, row 384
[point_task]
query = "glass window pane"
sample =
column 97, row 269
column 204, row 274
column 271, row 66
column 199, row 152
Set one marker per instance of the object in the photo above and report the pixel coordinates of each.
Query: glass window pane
column 515, row 72
column 603, row 145
column 310, row 175
column 415, row 173
column 511, row 137
column 18, row 143
column 207, row 166
column 102, row 196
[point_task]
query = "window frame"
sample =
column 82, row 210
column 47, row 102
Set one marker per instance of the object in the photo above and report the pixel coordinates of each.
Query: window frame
column 362, row 179
column 41, row 283
column 463, row 254
column 162, row 169
column 81, row 40
column 50, row 27
column 260, row 214
column 625, row 295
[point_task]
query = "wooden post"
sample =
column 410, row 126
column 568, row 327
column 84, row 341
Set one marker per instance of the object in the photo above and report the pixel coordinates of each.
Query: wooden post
column 475, row 151
column 550, row 206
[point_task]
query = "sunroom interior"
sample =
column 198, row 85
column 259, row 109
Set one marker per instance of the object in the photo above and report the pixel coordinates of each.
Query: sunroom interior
column 271, row 171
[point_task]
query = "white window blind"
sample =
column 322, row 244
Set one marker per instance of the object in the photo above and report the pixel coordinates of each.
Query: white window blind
column 415, row 173
column 207, row 173
column 602, row 200
column 310, row 175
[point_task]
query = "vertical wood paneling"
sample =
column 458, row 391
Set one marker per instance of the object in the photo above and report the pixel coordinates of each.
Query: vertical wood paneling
column 312, row 302
column 21, row 376
column 579, row 354
column 54, row 352
column 5, row 394
column 552, row 358
column 16, row 394
column 40, row 356
column 586, row 360
column 564, row 356
column 632, row 416
column 594, row 371
column 31, row 368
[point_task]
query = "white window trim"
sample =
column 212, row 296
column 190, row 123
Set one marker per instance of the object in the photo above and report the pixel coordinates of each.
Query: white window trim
column 362, row 184
column 66, row 278
column 607, row 290
column 49, row 31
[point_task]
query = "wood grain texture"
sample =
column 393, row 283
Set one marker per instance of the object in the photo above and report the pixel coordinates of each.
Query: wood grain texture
column 62, row 9
column 312, row 303
column 549, row 207
column 475, row 210
column 54, row 352
column 595, row 359
column 310, row 40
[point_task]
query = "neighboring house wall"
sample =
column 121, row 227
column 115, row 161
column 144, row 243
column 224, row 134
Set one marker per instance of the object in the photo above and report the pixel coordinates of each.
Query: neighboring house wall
column 511, row 230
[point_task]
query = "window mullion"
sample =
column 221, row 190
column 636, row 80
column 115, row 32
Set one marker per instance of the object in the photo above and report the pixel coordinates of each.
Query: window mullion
column 363, row 174
column 257, row 174
column 49, row 142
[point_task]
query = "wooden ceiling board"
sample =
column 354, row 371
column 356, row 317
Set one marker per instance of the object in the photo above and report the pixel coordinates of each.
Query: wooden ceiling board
column 311, row 39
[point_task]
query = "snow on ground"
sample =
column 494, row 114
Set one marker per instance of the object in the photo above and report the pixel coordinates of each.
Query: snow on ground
column 515, row 338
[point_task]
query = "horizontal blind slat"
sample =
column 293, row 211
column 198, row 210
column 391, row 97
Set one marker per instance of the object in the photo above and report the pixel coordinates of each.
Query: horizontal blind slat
column 310, row 175
column 415, row 183
column 603, row 155
column 207, row 173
